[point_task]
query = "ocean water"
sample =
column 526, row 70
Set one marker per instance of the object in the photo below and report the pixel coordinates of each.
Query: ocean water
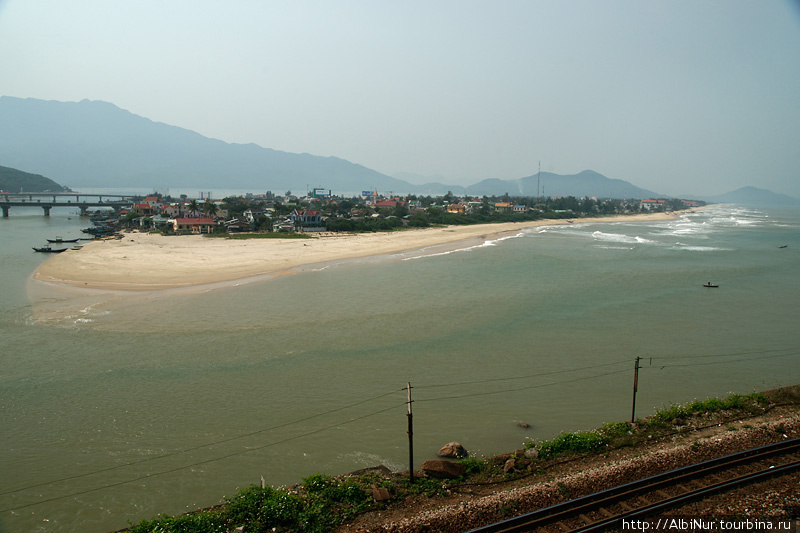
column 115, row 406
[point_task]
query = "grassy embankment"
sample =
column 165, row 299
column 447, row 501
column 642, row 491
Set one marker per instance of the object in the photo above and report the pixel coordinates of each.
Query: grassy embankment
column 321, row 503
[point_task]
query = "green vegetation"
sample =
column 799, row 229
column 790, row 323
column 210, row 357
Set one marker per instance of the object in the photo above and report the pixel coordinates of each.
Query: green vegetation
column 583, row 441
column 751, row 403
column 13, row 180
column 322, row 503
column 619, row 434
column 319, row 504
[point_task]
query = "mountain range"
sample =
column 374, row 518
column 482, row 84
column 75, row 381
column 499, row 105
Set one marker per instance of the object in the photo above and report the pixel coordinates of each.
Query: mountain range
column 97, row 144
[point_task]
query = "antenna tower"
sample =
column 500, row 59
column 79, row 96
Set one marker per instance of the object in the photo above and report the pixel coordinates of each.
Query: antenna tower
column 538, row 177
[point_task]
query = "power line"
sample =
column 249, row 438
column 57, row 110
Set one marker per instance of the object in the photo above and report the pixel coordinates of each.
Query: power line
column 735, row 354
column 478, row 382
column 726, row 361
column 198, row 447
column 442, row 398
column 207, row 461
column 521, row 388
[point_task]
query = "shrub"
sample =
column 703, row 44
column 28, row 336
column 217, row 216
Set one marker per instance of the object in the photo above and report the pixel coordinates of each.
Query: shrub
column 207, row 522
column 475, row 465
column 262, row 509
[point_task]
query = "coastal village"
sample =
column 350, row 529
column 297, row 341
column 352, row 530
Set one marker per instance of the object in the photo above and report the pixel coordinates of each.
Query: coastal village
column 319, row 211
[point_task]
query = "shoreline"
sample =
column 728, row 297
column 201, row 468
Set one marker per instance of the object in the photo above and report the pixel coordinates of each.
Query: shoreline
column 152, row 262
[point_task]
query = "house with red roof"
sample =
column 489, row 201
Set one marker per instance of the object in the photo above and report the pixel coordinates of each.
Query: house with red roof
column 305, row 217
column 142, row 208
column 193, row 225
column 388, row 204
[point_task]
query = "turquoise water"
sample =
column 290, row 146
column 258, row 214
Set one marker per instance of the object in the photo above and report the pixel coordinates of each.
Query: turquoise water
column 117, row 406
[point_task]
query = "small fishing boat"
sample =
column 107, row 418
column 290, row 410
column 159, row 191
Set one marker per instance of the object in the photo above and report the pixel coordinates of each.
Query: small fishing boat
column 59, row 240
column 710, row 285
column 47, row 249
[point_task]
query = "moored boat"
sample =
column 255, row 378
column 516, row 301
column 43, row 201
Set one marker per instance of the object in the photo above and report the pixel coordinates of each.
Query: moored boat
column 48, row 249
column 59, row 240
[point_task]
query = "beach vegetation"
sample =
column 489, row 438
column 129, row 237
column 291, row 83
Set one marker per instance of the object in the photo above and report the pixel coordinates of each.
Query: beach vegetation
column 581, row 441
column 750, row 403
column 323, row 503
column 621, row 434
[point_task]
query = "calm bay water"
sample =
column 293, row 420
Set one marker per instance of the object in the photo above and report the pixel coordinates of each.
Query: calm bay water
column 115, row 407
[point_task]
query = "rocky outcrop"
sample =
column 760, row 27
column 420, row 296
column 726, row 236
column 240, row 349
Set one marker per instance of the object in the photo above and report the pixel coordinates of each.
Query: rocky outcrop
column 443, row 469
column 453, row 449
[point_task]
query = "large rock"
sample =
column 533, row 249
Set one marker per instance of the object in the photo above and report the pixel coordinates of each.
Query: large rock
column 381, row 470
column 453, row 449
column 379, row 494
column 443, row 469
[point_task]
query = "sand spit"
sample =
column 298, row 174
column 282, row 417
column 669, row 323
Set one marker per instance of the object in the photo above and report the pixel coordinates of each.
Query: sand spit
column 146, row 262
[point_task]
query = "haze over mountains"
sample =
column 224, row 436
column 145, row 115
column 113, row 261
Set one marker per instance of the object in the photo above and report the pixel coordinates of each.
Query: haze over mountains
column 97, row 144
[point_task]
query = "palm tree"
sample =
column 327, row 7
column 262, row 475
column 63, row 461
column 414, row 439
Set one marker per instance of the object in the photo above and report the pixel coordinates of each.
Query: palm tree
column 210, row 208
column 193, row 207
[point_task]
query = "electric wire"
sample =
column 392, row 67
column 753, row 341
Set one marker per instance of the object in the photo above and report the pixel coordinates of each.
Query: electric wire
column 726, row 361
column 735, row 354
column 521, row 388
column 478, row 382
column 418, row 400
column 199, row 463
column 198, row 447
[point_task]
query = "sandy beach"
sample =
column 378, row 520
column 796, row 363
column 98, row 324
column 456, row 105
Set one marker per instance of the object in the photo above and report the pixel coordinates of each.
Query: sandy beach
column 147, row 262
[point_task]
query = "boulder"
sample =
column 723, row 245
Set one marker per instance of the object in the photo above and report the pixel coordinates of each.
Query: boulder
column 453, row 449
column 509, row 466
column 523, row 425
column 443, row 469
column 381, row 470
column 531, row 453
column 379, row 494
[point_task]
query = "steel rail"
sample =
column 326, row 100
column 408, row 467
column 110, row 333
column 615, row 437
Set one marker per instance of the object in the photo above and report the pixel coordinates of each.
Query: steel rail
column 573, row 508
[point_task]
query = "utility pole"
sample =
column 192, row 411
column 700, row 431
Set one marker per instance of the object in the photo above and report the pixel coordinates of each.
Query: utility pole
column 538, row 177
column 410, row 437
column 635, row 388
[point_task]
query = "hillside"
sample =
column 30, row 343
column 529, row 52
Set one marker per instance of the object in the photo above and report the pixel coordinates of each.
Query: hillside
column 754, row 196
column 13, row 180
column 97, row 144
column 586, row 183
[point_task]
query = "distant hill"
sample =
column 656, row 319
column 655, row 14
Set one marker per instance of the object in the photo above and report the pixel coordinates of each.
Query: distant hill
column 97, row 144
column 586, row 183
column 13, row 180
column 754, row 196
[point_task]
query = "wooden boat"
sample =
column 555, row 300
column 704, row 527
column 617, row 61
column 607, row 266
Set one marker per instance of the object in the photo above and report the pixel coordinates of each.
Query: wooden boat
column 710, row 285
column 47, row 249
column 59, row 240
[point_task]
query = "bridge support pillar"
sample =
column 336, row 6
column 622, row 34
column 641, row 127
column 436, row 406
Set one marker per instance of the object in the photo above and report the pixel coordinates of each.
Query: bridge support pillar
column 84, row 209
column 5, row 211
column 46, row 210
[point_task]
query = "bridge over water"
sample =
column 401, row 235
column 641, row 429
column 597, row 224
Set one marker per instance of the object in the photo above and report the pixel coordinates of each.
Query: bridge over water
column 49, row 200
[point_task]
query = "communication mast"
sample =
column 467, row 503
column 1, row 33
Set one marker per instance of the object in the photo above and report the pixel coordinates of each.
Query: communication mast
column 538, row 176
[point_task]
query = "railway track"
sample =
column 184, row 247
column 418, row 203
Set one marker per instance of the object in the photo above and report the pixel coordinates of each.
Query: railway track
column 646, row 497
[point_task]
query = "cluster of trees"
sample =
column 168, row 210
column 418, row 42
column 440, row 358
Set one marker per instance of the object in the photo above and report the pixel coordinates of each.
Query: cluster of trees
column 354, row 215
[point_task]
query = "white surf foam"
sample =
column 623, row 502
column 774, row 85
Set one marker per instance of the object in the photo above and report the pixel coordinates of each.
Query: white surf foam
column 618, row 237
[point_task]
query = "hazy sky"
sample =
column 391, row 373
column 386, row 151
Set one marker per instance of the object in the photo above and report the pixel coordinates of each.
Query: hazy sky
column 681, row 97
